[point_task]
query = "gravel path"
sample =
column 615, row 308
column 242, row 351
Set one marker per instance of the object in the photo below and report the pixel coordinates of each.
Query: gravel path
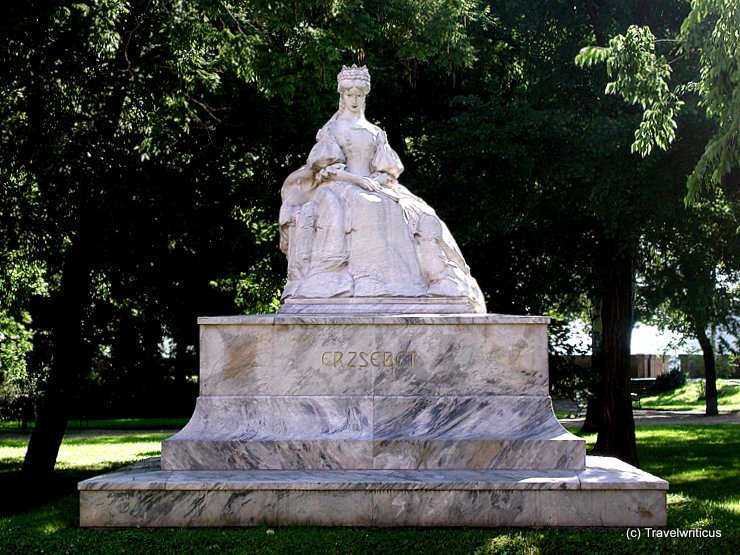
column 644, row 417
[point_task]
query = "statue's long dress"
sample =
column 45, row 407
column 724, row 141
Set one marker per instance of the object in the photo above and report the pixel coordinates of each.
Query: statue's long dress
column 343, row 240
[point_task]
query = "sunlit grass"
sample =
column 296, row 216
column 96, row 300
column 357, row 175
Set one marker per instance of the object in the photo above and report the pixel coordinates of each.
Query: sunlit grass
column 689, row 397
column 76, row 453
column 88, row 453
column 699, row 461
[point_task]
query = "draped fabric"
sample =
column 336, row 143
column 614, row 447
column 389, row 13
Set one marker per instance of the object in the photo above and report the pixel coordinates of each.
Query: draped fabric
column 345, row 240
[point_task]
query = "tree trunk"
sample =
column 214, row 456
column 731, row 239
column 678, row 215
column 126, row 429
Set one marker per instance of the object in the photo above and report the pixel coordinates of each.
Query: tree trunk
column 71, row 360
column 66, row 369
column 593, row 410
column 616, row 436
column 593, row 416
column 710, row 371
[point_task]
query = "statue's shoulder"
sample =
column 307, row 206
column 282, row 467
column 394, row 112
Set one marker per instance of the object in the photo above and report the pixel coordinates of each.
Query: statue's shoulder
column 326, row 133
column 378, row 133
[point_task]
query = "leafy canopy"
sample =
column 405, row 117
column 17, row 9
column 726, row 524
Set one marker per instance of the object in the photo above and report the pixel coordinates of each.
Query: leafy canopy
column 642, row 77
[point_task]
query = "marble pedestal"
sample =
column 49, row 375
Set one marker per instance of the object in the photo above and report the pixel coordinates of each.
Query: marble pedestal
column 394, row 420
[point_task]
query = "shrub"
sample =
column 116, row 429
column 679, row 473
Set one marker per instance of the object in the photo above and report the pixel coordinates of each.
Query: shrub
column 670, row 381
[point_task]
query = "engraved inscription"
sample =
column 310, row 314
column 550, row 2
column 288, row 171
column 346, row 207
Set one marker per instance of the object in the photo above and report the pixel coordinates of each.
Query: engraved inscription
column 362, row 359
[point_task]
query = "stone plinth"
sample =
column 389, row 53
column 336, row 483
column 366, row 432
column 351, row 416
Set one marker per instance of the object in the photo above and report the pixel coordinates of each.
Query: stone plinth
column 382, row 305
column 392, row 420
column 607, row 493
column 317, row 392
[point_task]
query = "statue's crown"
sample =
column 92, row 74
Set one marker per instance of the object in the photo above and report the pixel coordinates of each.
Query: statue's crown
column 354, row 73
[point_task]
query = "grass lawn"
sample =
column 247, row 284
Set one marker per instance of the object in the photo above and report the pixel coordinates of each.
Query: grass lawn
column 700, row 461
column 689, row 397
column 110, row 424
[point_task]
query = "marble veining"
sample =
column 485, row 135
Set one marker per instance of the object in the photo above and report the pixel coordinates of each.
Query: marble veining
column 465, row 417
column 381, row 394
column 380, row 432
column 357, row 392
column 376, row 498
column 379, row 305
column 346, row 358
column 599, row 472
column 443, row 421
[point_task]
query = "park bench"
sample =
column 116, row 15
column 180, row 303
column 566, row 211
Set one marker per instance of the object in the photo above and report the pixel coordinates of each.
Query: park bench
column 639, row 387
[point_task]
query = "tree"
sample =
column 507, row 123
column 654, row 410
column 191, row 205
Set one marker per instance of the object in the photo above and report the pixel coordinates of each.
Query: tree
column 690, row 279
column 692, row 297
column 712, row 32
column 101, row 104
column 531, row 167
column 140, row 136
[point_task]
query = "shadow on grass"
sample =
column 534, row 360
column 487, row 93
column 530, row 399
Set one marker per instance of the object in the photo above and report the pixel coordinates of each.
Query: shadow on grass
column 74, row 426
column 699, row 461
column 21, row 495
column 53, row 529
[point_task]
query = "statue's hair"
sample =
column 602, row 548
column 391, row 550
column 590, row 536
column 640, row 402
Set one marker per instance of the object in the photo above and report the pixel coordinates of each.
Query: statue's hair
column 353, row 76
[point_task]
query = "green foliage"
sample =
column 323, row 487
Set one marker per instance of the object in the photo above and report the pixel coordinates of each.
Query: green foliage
column 18, row 385
column 711, row 30
column 728, row 366
column 640, row 77
column 15, row 344
column 670, row 381
column 571, row 375
column 151, row 139
column 690, row 270
column 421, row 27
column 143, row 144
column 21, row 279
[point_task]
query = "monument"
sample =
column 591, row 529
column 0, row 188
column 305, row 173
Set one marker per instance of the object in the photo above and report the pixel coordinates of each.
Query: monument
column 381, row 394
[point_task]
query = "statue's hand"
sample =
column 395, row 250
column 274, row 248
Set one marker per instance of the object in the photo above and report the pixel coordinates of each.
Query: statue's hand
column 329, row 172
column 370, row 185
column 382, row 178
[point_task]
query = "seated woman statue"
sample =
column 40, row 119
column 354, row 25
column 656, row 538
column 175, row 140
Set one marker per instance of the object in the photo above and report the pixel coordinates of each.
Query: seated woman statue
column 350, row 229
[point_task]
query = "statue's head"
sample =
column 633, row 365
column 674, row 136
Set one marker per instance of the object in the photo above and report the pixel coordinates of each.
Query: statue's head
column 353, row 77
column 353, row 84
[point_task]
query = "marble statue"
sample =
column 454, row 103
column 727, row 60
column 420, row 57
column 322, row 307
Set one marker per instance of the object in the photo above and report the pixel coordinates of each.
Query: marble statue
column 364, row 403
column 350, row 229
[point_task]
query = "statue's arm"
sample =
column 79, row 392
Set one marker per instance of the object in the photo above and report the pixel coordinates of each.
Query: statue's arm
column 386, row 165
column 326, row 153
column 337, row 173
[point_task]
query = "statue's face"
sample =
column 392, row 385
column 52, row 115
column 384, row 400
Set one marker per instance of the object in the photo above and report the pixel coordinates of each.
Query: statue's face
column 354, row 99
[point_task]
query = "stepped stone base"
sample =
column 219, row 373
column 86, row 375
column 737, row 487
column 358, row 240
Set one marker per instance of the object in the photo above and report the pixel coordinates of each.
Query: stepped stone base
column 373, row 392
column 374, row 420
column 365, row 433
column 607, row 493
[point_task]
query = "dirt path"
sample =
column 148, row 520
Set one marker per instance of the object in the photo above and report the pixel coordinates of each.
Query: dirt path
column 644, row 417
